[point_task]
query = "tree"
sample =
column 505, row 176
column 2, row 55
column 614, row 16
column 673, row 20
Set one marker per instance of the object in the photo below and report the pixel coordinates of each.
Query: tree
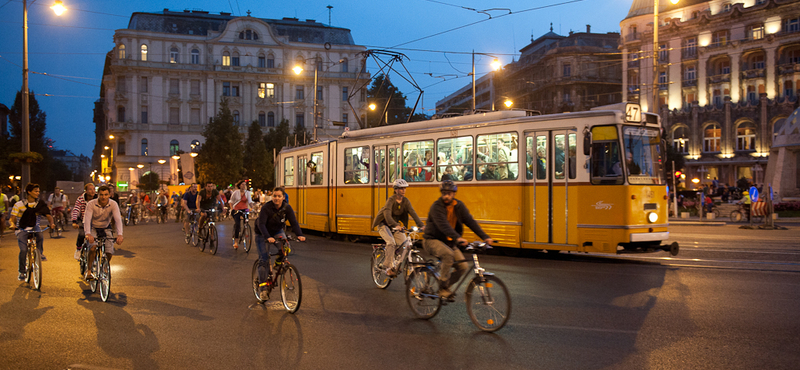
column 381, row 93
column 149, row 181
column 275, row 140
column 41, row 172
column 220, row 158
column 256, row 157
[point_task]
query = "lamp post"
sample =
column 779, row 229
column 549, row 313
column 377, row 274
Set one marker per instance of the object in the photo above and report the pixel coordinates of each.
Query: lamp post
column 655, row 54
column 495, row 65
column 298, row 70
column 58, row 8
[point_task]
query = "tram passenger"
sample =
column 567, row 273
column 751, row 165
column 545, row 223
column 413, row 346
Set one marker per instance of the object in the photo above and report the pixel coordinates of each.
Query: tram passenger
column 503, row 157
column 391, row 219
column 513, row 168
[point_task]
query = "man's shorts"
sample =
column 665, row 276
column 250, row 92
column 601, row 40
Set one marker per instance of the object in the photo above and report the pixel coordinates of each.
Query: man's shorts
column 110, row 238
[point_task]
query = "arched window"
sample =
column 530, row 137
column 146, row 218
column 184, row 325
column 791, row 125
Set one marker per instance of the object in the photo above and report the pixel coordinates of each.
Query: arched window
column 711, row 138
column 120, row 114
column 271, row 119
column 174, row 147
column 236, row 118
column 121, row 147
column 262, row 119
column 226, row 58
column 195, row 146
column 144, row 52
column 235, row 59
column 144, row 146
column 195, row 56
column 173, row 55
column 746, row 136
column 121, row 49
column 680, row 139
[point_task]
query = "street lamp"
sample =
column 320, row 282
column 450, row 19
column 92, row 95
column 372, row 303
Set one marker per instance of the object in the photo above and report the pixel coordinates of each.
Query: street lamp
column 495, row 66
column 58, row 8
column 297, row 70
column 508, row 103
column 655, row 54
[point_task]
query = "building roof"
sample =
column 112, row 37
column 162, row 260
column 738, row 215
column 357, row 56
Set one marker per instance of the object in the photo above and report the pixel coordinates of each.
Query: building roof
column 643, row 7
column 198, row 22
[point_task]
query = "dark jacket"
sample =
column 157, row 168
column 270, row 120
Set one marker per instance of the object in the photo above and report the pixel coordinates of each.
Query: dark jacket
column 392, row 213
column 439, row 228
column 272, row 221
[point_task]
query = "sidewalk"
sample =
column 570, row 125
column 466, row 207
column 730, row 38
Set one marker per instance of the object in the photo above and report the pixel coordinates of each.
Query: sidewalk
column 722, row 221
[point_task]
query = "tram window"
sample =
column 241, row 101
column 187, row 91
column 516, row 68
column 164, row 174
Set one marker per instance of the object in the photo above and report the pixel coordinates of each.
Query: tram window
column 642, row 155
column 356, row 165
column 560, row 156
column 573, row 158
column 497, row 157
column 454, row 160
column 380, row 166
column 301, row 174
column 541, row 157
column 288, row 171
column 393, row 164
column 418, row 161
column 317, row 167
column 605, row 165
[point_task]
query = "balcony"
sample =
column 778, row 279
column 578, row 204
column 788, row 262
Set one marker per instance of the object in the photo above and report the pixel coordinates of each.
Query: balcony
column 788, row 68
column 690, row 83
column 690, row 54
column 724, row 77
column 754, row 73
column 633, row 37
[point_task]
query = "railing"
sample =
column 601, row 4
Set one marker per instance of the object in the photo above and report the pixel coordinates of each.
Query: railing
column 724, row 77
column 754, row 73
column 788, row 68
column 690, row 83
column 690, row 54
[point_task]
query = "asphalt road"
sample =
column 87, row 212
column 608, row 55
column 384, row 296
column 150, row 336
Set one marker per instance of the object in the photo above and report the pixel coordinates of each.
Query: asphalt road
column 174, row 307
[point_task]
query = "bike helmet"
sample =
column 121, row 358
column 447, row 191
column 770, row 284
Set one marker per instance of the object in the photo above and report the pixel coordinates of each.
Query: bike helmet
column 400, row 183
column 448, row 185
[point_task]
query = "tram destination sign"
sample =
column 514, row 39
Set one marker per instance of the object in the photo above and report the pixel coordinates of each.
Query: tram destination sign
column 633, row 112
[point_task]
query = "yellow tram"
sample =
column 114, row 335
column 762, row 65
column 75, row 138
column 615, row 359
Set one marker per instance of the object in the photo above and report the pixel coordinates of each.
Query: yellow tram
column 585, row 182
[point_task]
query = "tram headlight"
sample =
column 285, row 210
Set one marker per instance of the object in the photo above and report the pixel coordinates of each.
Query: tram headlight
column 652, row 217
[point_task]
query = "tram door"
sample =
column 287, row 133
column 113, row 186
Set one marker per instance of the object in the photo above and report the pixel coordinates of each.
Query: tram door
column 385, row 160
column 545, row 194
column 302, row 187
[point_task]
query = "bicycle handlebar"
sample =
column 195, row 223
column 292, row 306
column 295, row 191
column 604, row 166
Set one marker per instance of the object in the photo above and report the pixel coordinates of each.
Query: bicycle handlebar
column 478, row 245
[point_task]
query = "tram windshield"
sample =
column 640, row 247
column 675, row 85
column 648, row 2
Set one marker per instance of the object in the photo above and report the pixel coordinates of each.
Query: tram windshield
column 642, row 155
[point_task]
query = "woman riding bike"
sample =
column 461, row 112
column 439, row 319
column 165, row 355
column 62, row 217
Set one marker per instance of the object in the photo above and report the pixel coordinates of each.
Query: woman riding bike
column 240, row 202
column 269, row 227
column 397, row 208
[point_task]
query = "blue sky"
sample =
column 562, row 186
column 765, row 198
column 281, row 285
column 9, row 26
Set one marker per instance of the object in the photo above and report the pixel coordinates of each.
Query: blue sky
column 71, row 48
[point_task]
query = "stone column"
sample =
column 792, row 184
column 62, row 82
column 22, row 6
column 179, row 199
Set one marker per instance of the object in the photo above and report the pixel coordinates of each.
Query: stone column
column 728, row 136
column 736, row 89
column 702, row 83
column 770, row 87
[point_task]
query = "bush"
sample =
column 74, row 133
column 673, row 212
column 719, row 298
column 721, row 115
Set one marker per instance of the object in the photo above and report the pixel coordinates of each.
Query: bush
column 787, row 206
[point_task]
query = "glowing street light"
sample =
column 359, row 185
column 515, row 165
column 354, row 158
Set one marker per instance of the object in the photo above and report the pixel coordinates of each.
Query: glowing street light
column 508, row 103
column 297, row 70
column 111, row 137
column 193, row 154
column 58, row 8
column 162, row 161
column 176, row 157
column 372, row 106
column 140, row 166
column 496, row 64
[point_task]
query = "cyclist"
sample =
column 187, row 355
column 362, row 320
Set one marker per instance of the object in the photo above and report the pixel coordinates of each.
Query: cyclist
column 25, row 214
column 446, row 220
column 77, row 215
column 189, row 204
column 176, row 203
column 240, row 201
column 133, row 201
column 207, row 199
column 396, row 210
column 58, row 202
column 269, row 226
column 162, row 201
column 99, row 214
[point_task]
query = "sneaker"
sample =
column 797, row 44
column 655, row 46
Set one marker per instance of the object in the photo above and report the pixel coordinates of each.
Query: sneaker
column 263, row 295
column 43, row 257
column 77, row 254
column 21, row 276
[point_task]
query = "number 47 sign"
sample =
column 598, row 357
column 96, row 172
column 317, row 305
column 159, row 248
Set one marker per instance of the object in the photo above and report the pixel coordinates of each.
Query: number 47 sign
column 633, row 113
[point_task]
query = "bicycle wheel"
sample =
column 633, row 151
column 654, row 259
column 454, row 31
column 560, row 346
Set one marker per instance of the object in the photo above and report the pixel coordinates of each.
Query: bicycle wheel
column 379, row 276
column 416, row 258
column 195, row 239
column 736, row 216
column 291, row 288
column 716, row 213
column 60, row 226
column 28, row 263
column 422, row 290
column 212, row 239
column 105, row 279
column 488, row 303
column 36, row 266
column 84, row 257
column 95, row 270
column 255, row 282
column 128, row 217
column 247, row 238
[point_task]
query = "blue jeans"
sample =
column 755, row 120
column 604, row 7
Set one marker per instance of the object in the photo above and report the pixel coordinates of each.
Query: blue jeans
column 263, row 254
column 22, row 240
column 237, row 222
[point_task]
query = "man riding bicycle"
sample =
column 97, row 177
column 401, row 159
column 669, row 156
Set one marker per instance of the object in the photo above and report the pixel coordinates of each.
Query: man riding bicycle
column 58, row 202
column 189, row 204
column 397, row 208
column 97, row 219
column 77, row 215
column 207, row 199
column 240, row 202
column 25, row 215
column 446, row 220
column 269, row 226
column 162, row 201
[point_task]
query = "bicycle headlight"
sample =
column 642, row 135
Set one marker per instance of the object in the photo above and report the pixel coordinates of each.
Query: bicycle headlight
column 652, row 217
column 414, row 229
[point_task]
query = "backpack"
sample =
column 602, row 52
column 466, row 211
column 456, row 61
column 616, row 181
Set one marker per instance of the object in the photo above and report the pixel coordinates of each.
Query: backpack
column 28, row 218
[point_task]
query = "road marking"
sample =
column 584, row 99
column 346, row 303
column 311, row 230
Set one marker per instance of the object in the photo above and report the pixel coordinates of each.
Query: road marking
column 564, row 327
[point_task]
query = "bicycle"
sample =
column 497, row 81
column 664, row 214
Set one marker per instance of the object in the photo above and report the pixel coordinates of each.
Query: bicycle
column 131, row 215
column 58, row 220
column 207, row 233
column 291, row 287
column 33, row 260
column 245, row 234
column 161, row 214
column 487, row 298
column 405, row 256
column 101, row 266
column 190, row 236
column 741, row 213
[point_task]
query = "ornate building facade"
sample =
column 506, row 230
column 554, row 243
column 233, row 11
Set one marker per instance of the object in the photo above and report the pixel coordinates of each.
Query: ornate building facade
column 727, row 75
column 169, row 71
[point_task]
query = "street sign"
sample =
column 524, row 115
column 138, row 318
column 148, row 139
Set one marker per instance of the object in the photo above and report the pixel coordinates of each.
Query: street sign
column 771, row 194
column 753, row 194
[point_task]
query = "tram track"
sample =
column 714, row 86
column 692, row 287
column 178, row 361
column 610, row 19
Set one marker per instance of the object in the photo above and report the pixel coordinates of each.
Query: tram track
column 742, row 265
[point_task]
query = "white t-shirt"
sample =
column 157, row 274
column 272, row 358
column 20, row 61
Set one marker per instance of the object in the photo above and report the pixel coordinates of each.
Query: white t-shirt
column 58, row 201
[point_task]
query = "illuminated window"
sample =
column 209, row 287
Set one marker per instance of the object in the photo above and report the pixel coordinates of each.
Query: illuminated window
column 144, row 52
column 746, row 136
column 226, row 59
column 121, row 49
column 711, row 138
column 173, row 55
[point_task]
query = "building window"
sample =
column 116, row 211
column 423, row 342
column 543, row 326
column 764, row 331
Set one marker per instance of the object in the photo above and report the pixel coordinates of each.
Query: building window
column 271, row 62
column 120, row 114
column 226, row 59
column 345, row 65
column 195, row 87
column 299, row 93
column 262, row 87
column 270, row 119
column 121, row 49
column 345, row 95
column 691, row 47
column 144, row 114
column 746, row 137
column 755, row 32
column 235, row 89
column 788, row 89
column 726, row 8
column 663, row 53
column 716, row 98
column 751, row 94
column 226, row 88
column 144, row 52
column 174, row 115
column 690, row 74
column 262, row 61
column 791, row 56
column 363, row 94
column 262, row 119
column 174, row 86
column 143, row 85
column 300, row 120
column 791, row 25
column 235, row 60
column 144, row 147
column 236, row 118
column 195, row 56
column 662, row 79
column 680, row 140
column 174, row 147
column 194, row 116
column 567, row 70
column 319, row 93
column 719, row 38
column 270, row 90
column 121, row 147
column 173, row 55
column 711, row 138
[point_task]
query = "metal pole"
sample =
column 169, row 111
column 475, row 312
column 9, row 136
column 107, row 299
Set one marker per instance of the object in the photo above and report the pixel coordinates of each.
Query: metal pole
column 315, row 102
column 26, row 124
column 473, row 81
column 655, row 56
column 674, row 192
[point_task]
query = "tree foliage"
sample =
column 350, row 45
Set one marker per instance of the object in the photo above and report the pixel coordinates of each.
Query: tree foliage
column 256, row 157
column 383, row 93
column 149, row 181
column 275, row 139
column 220, row 157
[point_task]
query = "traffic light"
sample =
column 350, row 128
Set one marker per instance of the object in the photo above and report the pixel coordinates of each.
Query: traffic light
column 677, row 174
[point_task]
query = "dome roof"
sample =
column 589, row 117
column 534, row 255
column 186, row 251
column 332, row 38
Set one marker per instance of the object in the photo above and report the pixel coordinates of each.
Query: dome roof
column 643, row 7
column 787, row 133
